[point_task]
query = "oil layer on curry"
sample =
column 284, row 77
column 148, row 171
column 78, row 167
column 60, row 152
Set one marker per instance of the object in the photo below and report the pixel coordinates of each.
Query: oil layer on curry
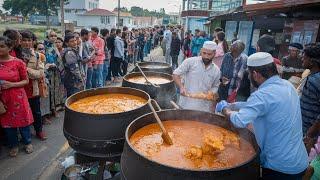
column 108, row 103
column 196, row 145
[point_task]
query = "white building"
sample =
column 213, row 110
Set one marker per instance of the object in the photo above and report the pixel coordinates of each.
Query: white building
column 142, row 22
column 77, row 7
column 86, row 13
column 126, row 19
column 82, row 4
column 100, row 18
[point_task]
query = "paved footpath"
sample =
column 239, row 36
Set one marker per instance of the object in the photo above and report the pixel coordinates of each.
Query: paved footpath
column 32, row 166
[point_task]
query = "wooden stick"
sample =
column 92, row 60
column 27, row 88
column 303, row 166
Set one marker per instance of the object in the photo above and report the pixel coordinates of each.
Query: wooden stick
column 165, row 136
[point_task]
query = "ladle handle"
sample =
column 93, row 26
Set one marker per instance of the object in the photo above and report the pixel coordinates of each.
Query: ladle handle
column 145, row 77
column 157, row 117
column 156, row 104
column 165, row 134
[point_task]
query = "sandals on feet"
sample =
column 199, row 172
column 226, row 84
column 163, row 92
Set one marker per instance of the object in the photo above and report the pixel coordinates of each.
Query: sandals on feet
column 14, row 152
column 28, row 148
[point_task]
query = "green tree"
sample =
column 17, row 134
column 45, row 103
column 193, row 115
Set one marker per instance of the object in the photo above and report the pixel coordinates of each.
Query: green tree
column 27, row 7
column 162, row 12
column 122, row 9
column 136, row 11
column 19, row 7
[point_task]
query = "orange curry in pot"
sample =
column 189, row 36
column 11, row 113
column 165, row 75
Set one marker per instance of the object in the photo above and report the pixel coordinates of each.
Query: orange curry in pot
column 108, row 103
column 196, row 145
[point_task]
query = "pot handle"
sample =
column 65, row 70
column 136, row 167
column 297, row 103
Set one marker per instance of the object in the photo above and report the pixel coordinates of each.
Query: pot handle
column 176, row 106
column 155, row 103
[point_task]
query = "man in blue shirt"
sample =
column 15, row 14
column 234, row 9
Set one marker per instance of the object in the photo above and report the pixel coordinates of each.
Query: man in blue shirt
column 274, row 111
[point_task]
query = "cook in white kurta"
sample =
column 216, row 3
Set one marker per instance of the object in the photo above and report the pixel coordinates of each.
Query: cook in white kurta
column 198, row 79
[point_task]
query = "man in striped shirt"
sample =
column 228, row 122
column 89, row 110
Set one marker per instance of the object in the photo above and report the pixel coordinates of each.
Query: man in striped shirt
column 310, row 99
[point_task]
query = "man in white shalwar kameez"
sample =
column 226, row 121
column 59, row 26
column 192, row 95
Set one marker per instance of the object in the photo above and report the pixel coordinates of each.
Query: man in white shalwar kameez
column 201, row 76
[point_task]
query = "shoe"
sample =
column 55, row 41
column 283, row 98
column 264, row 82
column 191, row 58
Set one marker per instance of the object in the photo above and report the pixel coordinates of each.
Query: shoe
column 14, row 152
column 118, row 80
column 42, row 136
column 109, row 83
column 55, row 114
column 28, row 148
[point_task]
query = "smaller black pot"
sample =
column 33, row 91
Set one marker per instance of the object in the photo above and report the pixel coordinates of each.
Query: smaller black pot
column 163, row 94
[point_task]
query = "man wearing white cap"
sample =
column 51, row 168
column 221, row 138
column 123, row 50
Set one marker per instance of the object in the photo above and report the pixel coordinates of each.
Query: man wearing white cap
column 274, row 111
column 200, row 80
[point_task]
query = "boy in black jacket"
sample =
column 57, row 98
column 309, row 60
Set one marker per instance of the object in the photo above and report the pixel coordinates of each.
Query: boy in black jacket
column 175, row 49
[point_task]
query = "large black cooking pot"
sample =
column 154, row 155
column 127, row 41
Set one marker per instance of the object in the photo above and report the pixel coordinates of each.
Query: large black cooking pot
column 155, row 67
column 136, row 166
column 100, row 135
column 163, row 94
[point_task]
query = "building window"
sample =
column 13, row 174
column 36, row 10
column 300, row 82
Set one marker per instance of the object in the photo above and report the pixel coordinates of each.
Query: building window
column 204, row 5
column 121, row 22
column 67, row 10
column 108, row 19
column 103, row 19
column 222, row 5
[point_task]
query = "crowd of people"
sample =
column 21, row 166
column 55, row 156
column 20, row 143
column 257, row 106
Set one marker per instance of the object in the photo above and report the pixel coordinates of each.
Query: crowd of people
column 36, row 78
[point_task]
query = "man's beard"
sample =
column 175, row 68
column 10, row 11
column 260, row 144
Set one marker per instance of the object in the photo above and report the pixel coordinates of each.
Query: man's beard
column 206, row 61
column 253, row 82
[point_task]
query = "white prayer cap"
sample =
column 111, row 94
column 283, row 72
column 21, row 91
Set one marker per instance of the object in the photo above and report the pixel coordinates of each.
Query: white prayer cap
column 259, row 59
column 210, row 45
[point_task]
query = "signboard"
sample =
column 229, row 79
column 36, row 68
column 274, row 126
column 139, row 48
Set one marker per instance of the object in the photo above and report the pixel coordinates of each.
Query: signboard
column 255, row 37
column 245, row 33
column 231, row 28
column 296, row 37
column 166, row 20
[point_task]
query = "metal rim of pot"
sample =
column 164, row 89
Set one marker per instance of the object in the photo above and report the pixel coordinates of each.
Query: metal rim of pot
column 126, row 77
column 183, row 169
column 165, row 65
column 94, row 89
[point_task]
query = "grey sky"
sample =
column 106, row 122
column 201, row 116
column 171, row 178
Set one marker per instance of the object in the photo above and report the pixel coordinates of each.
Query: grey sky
column 168, row 5
column 1, row 2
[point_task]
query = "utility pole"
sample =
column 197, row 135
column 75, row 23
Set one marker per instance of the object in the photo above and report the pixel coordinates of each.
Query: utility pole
column 47, row 15
column 62, row 17
column 118, row 24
